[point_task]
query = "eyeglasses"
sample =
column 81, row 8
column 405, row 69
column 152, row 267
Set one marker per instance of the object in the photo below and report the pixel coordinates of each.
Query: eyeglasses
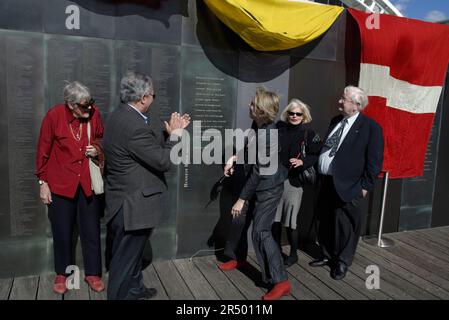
column 152, row 94
column 299, row 114
column 86, row 106
column 343, row 98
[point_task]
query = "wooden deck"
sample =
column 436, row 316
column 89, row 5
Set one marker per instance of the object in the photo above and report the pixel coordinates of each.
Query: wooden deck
column 417, row 268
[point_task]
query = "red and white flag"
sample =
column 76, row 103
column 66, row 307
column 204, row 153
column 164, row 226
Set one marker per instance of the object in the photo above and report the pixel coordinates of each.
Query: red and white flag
column 403, row 69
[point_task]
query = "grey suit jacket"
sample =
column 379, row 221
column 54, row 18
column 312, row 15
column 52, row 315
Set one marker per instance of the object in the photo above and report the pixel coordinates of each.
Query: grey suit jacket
column 136, row 158
column 256, row 180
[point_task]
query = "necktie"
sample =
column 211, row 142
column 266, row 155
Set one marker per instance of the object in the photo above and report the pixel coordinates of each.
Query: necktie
column 333, row 141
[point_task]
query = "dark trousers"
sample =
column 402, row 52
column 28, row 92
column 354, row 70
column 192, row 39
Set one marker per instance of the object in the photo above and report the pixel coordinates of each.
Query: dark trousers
column 236, row 246
column 340, row 223
column 127, row 253
column 267, row 250
column 63, row 213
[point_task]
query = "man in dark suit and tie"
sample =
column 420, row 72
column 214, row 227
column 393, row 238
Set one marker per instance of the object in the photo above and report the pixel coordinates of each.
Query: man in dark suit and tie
column 137, row 155
column 349, row 163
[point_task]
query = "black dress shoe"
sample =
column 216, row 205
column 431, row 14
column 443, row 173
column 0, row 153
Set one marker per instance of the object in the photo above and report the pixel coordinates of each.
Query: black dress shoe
column 338, row 272
column 148, row 293
column 290, row 260
column 319, row 262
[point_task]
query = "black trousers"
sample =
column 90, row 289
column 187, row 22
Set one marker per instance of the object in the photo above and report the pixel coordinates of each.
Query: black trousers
column 267, row 250
column 127, row 254
column 340, row 223
column 236, row 246
column 63, row 214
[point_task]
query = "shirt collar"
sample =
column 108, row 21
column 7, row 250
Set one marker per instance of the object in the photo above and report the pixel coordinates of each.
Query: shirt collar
column 143, row 116
column 350, row 120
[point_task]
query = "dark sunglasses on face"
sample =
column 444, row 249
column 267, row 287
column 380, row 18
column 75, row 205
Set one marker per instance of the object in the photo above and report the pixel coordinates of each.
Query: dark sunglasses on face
column 290, row 113
column 86, row 106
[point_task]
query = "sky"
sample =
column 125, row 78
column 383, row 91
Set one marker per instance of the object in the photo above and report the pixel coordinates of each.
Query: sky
column 429, row 10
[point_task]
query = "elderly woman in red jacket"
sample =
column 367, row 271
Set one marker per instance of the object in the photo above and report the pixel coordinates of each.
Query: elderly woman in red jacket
column 62, row 167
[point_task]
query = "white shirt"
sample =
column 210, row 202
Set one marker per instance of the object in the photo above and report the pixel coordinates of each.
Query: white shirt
column 325, row 162
column 143, row 116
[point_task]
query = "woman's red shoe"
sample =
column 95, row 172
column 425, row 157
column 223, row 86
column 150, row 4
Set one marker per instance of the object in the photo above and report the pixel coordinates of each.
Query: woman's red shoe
column 95, row 283
column 279, row 290
column 59, row 285
column 232, row 264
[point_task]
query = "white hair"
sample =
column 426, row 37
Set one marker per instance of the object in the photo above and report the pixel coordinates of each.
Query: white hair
column 134, row 86
column 75, row 92
column 357, row 95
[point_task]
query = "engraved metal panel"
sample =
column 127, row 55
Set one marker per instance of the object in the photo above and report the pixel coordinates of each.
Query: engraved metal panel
column 209, row 96
column 83, row 59
column 23, row 107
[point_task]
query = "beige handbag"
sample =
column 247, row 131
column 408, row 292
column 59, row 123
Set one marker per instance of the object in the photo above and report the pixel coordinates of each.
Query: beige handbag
column 95, row 172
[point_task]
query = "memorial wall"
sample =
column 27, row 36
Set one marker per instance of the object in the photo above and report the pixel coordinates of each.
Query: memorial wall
column 198, row 66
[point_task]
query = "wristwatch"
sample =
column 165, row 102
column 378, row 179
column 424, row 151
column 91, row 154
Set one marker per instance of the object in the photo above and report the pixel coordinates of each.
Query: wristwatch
column 41, row 182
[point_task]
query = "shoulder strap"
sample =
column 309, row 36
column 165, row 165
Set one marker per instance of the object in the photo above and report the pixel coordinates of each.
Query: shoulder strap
column 88, row 132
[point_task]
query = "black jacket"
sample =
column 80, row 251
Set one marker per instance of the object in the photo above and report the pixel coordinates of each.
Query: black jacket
column 291, row 138
column 257, row 180
column 358, row 160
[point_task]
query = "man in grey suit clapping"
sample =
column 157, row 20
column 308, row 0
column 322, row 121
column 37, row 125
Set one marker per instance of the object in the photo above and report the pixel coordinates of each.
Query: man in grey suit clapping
column 136, row 192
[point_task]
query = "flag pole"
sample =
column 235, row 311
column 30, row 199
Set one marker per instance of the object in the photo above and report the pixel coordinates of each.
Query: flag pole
column 377, row 240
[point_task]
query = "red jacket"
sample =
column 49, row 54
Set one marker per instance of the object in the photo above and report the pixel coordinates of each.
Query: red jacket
column 60, row 158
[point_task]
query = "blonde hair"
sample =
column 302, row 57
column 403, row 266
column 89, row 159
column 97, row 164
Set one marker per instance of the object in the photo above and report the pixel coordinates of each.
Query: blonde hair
column 266, row 105
column 296, row 103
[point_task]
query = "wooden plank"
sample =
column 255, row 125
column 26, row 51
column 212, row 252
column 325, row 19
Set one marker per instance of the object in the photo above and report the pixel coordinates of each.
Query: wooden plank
column 410, row 267
column 24, row 288
column 103, row 295
column 440, row 233
column 427, row 234
column 422, row 244
column 242, row 281
column 5, row 288
column 315, row 285
column 421, row 259
column 198, row 285
column 298, row 291
column 151, row 280
column 343, row 288
column 390, row 279
column 221, row 284
column 427, row 239
column 389, row 290
column 443, row 231
column 434, row 236
column 78, row 294
column 358, row 282
column 174, row 285
column 400, row 277
column 45, row 289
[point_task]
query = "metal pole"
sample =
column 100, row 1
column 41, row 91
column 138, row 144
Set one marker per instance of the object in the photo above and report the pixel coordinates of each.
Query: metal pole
column 378, row 240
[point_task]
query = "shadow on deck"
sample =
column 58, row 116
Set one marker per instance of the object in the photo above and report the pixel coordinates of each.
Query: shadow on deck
column 416, row 268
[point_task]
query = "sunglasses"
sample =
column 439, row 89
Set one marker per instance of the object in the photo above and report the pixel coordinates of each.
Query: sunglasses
column 86, row 106
column 290, row 113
